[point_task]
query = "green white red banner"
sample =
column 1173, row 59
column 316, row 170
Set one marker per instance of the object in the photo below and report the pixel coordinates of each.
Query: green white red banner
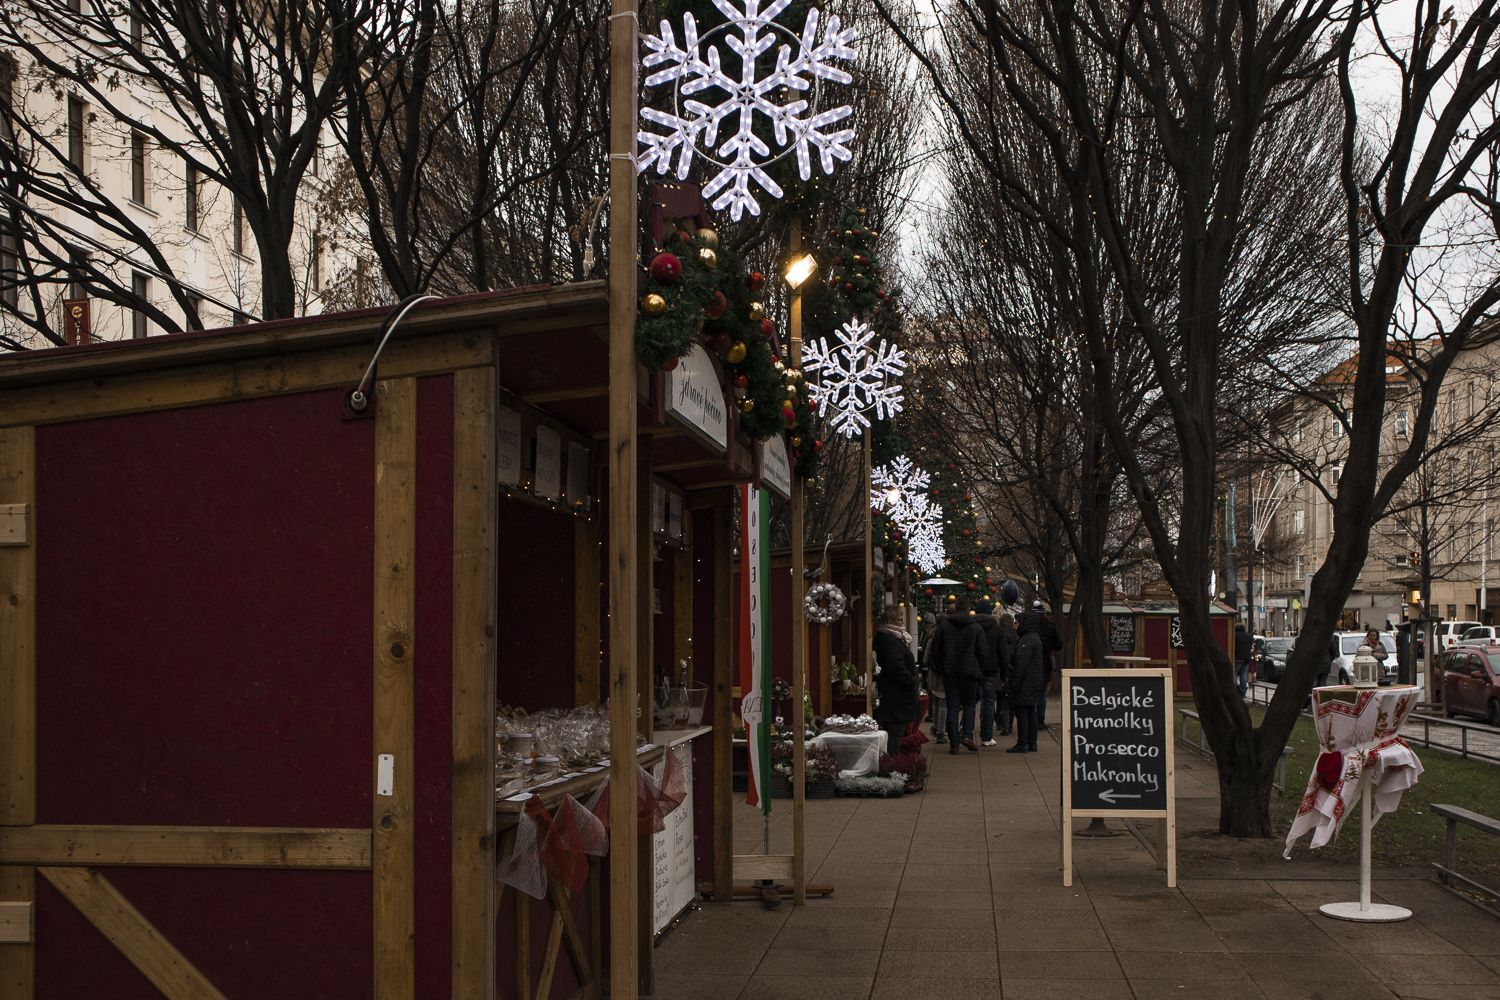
column 755, row 639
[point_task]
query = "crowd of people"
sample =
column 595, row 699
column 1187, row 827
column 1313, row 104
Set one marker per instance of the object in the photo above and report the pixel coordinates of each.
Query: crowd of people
column 974, row 662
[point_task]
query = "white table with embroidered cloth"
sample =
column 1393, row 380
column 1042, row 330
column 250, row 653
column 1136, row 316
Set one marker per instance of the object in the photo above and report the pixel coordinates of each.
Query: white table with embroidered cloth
column 1363, row 760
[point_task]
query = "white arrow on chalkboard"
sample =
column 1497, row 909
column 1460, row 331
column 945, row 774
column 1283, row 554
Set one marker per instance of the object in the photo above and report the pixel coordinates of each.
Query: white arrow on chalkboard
column 1110, row 795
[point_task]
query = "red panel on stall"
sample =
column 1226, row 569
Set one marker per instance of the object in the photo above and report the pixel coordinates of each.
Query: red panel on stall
column 535, row 644
column 434, row 673
column 203, row 616
column 256, row 935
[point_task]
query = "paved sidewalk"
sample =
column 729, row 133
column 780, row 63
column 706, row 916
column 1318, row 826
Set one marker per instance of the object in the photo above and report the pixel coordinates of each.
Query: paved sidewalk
column 955, row 894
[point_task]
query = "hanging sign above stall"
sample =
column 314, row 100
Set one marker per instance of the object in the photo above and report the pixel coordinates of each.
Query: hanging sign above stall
column 775, row 468
column 508, row 446
column 548, row 481
column 695, row 396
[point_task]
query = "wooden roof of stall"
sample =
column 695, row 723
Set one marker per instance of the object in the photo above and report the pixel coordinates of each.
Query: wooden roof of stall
column 549, row 345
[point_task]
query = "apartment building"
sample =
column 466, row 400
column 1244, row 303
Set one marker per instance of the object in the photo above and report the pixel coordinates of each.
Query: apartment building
column 190, row 233
column 1444, row 513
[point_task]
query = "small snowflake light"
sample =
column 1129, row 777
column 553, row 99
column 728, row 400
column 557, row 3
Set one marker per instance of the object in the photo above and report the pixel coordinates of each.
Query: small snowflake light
column 854, row 377
column 894, row 487
column 924, row 536
column 693, row 125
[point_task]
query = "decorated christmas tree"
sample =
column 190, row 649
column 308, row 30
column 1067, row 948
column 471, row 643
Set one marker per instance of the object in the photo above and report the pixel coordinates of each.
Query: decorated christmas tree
column 967, row 556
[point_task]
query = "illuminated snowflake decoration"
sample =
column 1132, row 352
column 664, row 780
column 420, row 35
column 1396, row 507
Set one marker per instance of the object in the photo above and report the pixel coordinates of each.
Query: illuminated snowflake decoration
column 855, row 376
column 896, row 486
column 693, row 126
column 924, row 536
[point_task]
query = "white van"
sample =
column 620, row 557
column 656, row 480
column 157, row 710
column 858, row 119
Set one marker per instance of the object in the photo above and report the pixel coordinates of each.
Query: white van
column 1448, row 633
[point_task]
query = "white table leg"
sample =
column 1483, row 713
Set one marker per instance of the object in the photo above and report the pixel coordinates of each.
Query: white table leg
column 1364, row 910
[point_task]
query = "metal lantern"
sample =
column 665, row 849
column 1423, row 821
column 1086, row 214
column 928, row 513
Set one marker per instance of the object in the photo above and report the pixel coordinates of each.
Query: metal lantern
column 1366, row 669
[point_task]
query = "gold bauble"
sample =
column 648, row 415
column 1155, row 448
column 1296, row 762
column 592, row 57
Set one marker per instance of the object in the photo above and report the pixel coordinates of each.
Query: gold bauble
column 709, row 258
column 746, row 405
column 736, row 354
column 708, row 238
column 653, row 304
column 757, row 311
column 796, row 442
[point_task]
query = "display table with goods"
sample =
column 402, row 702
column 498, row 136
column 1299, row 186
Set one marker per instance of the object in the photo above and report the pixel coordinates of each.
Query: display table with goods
column 1364, row 761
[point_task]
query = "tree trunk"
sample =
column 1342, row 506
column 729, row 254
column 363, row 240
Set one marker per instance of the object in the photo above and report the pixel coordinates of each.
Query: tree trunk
column 278, row 291
column 1244, row 796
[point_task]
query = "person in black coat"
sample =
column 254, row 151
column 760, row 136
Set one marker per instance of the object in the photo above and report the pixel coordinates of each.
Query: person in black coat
column 994, row 669
column 1025, row 681
column 1242, row 647
column 1051, row 643
column 958, row 652
column 896, row 682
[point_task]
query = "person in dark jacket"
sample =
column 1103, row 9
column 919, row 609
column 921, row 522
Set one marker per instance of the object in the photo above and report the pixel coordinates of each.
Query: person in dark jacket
column 1242, row 647
column 1051, row 643
column 958, row 651
column 1025, row 681
column 994, row 669
column 896, row 683
column 1008, row 639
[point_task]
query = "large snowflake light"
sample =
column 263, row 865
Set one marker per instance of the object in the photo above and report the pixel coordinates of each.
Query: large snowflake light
column 924, row 536
column 895, row 487
column 797, row 126
column 854, row 377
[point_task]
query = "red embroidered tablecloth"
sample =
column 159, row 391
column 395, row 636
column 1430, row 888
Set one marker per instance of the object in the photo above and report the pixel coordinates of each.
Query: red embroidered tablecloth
column 1357, row 731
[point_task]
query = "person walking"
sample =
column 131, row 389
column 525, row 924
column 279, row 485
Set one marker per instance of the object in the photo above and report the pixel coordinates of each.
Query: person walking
column 958, row 651
column 1242, row 646
column 933, row 678
column 993, row 667
column 1051, row 643
column 898, row 702
column 1024, row 681
column 1008, row 639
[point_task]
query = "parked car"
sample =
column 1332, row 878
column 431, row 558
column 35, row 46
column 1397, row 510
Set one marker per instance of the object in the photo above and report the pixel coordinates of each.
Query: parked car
column 1448, row 633
column 1479, row 635
column 1471, row 683
column 1273, row 659
column 1343, row 665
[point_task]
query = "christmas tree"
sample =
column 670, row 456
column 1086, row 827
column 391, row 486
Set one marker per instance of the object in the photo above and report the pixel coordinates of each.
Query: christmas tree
column 967, row 556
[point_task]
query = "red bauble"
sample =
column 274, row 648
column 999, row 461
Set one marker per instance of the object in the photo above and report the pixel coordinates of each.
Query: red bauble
column 666, row 268
column 969, row 585
column 669, row 364
column 720, row 343
column 716, row 305
column 928, row 591
column 741, row 380
column 990, row 584
column 767, row 329
column 757, row 281
column 966, row 532
column 848, row 286
column 789, row 414
column 818, row 445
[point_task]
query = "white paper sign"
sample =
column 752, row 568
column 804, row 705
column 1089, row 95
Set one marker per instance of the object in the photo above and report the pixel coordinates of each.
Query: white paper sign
column 508, row 445
column 775, row 467
column 673, row 876
column 548, row 481
column 695, row 396
column 578, row 473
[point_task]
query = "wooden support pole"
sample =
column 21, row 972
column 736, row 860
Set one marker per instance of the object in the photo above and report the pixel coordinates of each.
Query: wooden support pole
column 393, row 848
column 18, row 692
column 722, row 719
column 797, row 621
column 624, row 923
column 476, row 520
column 645, row 586
column 867, row 587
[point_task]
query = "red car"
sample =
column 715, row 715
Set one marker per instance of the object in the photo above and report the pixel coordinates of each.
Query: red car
column 1471, row 682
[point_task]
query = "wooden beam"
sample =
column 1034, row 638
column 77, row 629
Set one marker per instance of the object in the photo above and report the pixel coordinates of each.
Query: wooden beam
column 248, row 379
column 586, row 598
column 17, row 695
column 722, row 718
column 562, row 904
column 17, row 923
column 13, row 528
column 564, row 395
column 645, row 585
column 186, row 847
column 549, row 958
column 522, row 935
column 755, row 867
column 476, row 521
column 128, row 930
column 394, row 847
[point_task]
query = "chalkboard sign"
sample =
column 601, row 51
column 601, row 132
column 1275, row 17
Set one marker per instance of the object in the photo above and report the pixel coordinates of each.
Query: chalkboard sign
column 1116, row 746
column 1121, row 633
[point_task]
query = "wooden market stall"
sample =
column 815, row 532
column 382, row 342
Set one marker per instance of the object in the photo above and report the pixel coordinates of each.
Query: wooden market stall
column 251, row 643
column 1149, row 628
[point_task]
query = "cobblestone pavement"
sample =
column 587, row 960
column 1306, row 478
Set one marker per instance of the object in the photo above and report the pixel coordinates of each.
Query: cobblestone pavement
column 956, row 893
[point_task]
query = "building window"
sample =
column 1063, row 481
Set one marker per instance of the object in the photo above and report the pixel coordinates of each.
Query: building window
column 1297, row 570
column 138, row 167
column 1403, row 423
column 1299, row 522
column 7, row 97
column 191, row 188
column 78, row 264
column 10, row 268
column 137, row 34
column 140, row 286
column 77, row 110
column 76, row 6
column 237, row 227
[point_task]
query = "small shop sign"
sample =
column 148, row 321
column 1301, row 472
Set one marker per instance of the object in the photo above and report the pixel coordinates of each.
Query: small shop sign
column 695, row 396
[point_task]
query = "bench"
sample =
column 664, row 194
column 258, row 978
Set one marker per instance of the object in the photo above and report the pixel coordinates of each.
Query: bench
column 1455, row 815
column 1186, row 715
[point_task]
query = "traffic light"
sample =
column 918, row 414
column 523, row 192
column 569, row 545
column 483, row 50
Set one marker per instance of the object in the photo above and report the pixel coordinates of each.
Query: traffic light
column 1416, row 558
